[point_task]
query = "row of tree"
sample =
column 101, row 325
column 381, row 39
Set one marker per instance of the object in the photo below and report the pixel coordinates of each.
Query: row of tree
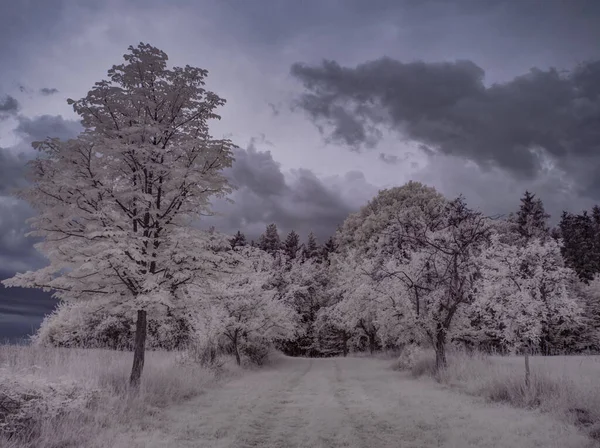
column 292, row 248
column 114, row 212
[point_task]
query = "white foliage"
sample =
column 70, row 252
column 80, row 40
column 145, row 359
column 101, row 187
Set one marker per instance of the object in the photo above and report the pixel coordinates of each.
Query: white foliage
column 26, row 398
column 238, row 303
column 115, row 203
column 524, row 288
column 84, row 324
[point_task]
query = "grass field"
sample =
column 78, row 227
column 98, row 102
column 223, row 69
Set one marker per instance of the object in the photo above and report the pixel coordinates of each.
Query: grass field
column 565, row 386
column 77, row 398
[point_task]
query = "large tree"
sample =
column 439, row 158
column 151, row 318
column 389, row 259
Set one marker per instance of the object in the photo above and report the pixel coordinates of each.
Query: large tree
column 525, row 288
column 440, row 277
column 115, row 204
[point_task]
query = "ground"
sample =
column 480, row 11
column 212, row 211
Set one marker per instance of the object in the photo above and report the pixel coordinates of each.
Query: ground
column 349, row 402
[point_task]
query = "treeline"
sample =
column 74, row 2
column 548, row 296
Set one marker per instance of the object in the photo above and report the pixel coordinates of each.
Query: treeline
column 410, row 267
column 578, row 236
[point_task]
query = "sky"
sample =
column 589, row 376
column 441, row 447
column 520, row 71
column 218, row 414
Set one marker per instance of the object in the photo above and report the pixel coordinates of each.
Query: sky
column 328, row 100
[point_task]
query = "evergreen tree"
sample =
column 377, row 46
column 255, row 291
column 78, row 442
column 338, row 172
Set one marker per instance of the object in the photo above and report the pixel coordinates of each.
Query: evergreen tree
column 531, row 220
column 311, row 249
column 270, row 241
column 291, row 245
column 579, row 244
column 328, row 248
column 239, row 239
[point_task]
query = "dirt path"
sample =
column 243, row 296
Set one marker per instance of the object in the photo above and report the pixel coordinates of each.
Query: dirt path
column 354, row 403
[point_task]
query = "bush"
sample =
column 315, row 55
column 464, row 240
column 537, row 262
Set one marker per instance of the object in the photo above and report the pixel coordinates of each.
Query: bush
column 82, row 325
column 27, row 401
column 207, row 355
column 424, row 365
column 62, row 398
column 257, row 352
column 408, row 357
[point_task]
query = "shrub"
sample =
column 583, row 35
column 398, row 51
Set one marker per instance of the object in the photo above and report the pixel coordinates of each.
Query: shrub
column 256, row 351
column 409, row 355
column 26, row 401
column 81, row 325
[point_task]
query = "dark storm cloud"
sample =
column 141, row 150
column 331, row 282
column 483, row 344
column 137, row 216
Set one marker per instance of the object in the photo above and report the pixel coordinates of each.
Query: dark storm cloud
column 257, row 171
column 22, row 310
column 48, row 91
column 38, row 128
column 12, row 171
column 501, row 34
column 9, row 106
column 16, row 249
column 447, row 107
column 300, row 201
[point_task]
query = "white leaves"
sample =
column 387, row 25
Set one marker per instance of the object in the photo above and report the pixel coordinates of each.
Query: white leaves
column 238, row 302
column 524, row 287
column 114, row 203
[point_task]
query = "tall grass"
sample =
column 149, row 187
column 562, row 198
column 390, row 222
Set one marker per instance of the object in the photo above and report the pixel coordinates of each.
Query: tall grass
column 113, row 411
column 566, row 386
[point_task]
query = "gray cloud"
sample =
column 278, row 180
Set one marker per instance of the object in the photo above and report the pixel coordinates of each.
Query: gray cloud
column 300, row 201
column 493, row 192
column 22, row 310
column 568, row 26
column 16, row 249
column 9, row 106
column 447, row 107
column 40, row 127
column 48, row 91
column 12, row 171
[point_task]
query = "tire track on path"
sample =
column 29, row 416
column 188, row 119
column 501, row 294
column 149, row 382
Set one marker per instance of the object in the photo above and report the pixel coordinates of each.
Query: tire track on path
column 257, row 431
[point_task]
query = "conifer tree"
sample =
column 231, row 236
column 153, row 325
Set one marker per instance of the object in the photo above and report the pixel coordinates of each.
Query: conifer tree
column 328, row 248
column 291, row 245
column 270, row 241
column 311, row 249
column 238, row 240
column 531, row 220
column 579, row 238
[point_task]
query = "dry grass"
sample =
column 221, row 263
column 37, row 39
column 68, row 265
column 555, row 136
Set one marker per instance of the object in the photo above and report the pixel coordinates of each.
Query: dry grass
column 566, row 386
column 114, row 412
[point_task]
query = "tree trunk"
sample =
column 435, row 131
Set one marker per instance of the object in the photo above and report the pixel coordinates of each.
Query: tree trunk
column 527, row 373
column 236, row 350
column 139, row 350
column 440, row 350
column 372, row 342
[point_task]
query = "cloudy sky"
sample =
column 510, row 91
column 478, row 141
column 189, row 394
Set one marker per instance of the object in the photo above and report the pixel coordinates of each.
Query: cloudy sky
column 328, row 100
